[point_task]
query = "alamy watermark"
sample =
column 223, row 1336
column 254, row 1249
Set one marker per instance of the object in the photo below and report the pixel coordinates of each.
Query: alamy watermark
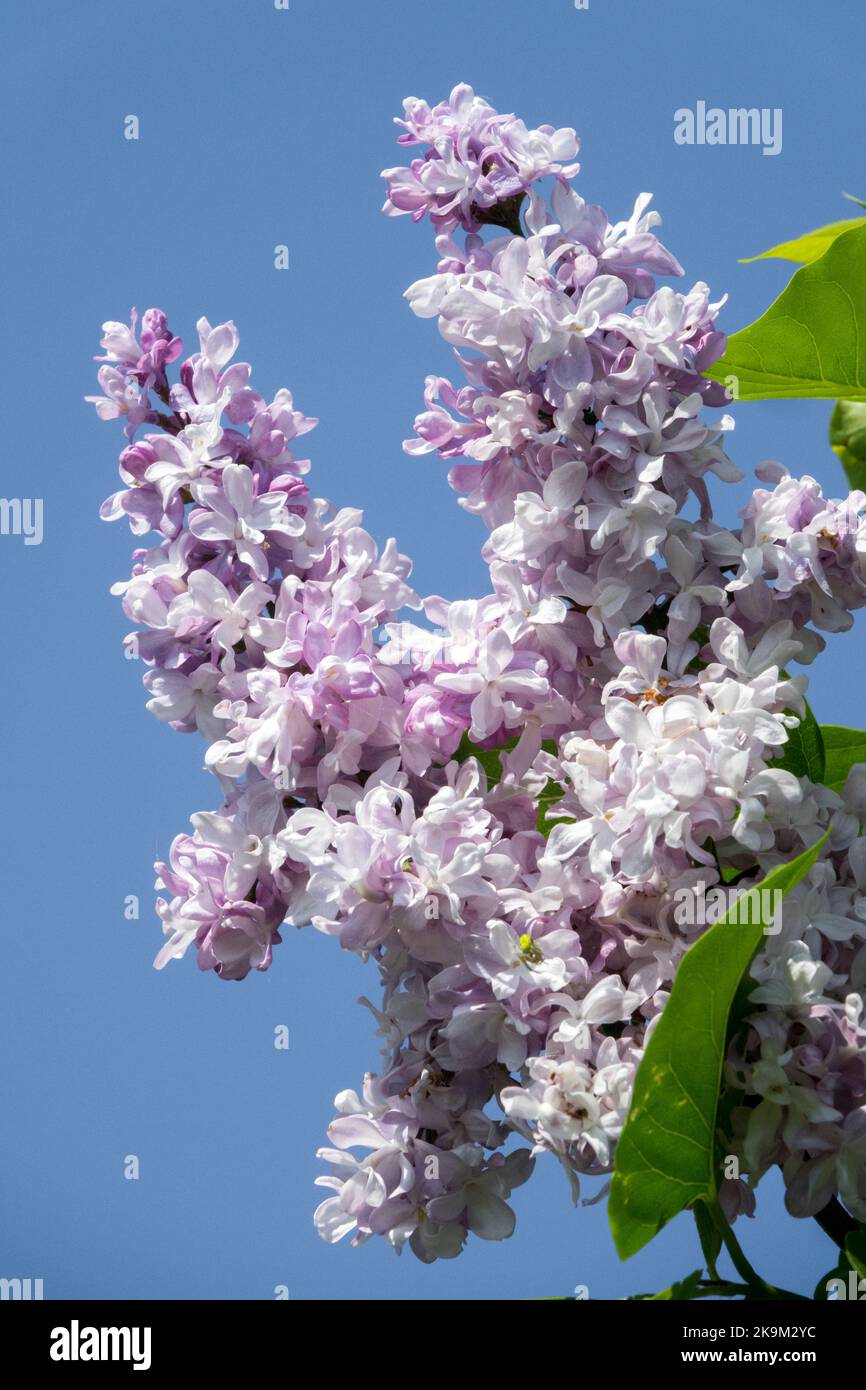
column 747, row 907
column 738, row 125
column 852, row 1289
column 21, row 1290
column 77, row 1343
column 22, row 516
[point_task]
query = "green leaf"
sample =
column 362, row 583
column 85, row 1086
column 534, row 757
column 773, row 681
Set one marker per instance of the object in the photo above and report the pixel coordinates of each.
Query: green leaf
column 844, row 748
column 852, row 1258
column 804, row 754
column 848, row 440
column 665, row 1158
column 848, row 427
column 709, row 1236
column 551, row 794
column 855, row 1251
column 732, row 873
column 682, row 1291
column 808, row 247
column 489, row 758
column 812, row 340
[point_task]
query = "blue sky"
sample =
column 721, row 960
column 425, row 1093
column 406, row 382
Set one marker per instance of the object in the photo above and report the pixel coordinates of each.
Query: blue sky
column 259, row 127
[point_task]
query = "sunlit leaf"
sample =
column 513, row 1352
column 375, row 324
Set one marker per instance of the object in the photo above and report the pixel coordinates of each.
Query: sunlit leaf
column 665, row 1158
column 808, row 247
column 812, row 340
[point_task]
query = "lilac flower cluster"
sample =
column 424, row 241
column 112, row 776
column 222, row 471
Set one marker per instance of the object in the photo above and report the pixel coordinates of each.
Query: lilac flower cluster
column 475, row 161
column 499, row 804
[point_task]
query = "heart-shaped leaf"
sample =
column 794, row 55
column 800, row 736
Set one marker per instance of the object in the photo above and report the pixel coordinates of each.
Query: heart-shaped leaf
column 812, row 340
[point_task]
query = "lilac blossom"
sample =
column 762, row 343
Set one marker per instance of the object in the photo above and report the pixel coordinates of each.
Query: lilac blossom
column 496, row 803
